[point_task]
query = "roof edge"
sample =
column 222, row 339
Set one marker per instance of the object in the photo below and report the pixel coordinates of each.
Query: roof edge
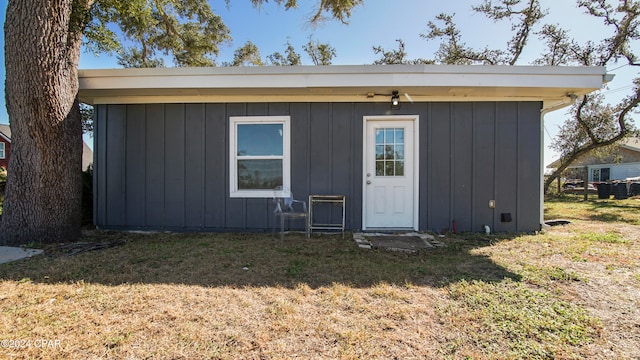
column 347, row 69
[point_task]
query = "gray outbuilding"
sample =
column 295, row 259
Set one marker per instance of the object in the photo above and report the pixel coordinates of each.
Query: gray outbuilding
column 201, row 149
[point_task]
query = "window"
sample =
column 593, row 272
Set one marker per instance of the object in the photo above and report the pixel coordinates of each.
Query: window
column 600, row 174
column 259, row 155
column 2, row 154
column 390, row 152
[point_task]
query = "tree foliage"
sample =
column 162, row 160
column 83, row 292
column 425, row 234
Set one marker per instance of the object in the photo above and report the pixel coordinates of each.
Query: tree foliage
column 143, row 33
column 399, row 56
column 291, row 57
column 246, row 55
column 338, row 9
column 454, row 51
column 86, row 115
column 320, row 53
column 148, row 31
column 249, row 55
column 522, row 20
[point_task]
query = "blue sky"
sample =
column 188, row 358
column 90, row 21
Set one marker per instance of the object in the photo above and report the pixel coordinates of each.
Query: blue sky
column 377, row 23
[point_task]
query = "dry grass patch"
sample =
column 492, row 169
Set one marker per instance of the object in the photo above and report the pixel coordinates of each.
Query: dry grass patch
column 177, row 321
column 572, row 292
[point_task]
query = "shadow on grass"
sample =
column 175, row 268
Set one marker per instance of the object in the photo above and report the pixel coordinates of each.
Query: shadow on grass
column 239, row 260
column 626, row 211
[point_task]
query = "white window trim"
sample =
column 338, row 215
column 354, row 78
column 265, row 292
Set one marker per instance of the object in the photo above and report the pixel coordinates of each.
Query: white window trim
column 234, row 192
column 3, row 149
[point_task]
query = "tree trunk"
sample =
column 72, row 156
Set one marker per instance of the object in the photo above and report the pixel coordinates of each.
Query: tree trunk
column 43, row 193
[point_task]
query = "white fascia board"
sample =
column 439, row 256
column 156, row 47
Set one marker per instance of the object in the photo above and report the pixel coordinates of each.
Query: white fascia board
column 343, row 83
column 346, row 69
column 267, row 77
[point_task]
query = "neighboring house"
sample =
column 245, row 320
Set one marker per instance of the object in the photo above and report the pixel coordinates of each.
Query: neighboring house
column 5, row 146
column 201, row 149
column 87, row 156
column 5, row 149
column 623, row 164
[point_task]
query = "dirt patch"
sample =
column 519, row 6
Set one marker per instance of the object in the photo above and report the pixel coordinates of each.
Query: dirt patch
column 412, row 243
column 406, row 242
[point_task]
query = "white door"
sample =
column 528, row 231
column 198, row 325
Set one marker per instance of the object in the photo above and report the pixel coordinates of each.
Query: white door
column 390, row 194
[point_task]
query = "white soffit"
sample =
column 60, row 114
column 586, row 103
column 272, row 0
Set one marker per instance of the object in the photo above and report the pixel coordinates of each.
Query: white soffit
column 338, row 83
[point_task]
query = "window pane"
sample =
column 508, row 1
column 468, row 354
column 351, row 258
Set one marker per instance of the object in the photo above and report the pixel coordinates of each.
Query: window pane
column 260, row 139
column 379, row 168
column 400, row 136
column 388, row 168
column 259, row 174
column 388, row 152
column 399, row 168
column 399, row 152
column 388, row 138
column 379, row 137
column 379, row 152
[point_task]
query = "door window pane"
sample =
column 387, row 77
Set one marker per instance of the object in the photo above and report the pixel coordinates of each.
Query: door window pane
column 379, row 152
column 399, row 152
column 389, row 167
column 399, row 168
column 379, row 136
column 389, row 152
column 388, row 136
column 379, row 168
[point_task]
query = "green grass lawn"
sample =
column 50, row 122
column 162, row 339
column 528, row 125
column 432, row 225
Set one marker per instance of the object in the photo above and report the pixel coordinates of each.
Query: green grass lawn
column 570, row 292
column 609, row 210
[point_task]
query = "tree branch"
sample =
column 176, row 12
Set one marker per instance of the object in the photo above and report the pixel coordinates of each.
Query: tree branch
column 623, row 131
column 583, row 124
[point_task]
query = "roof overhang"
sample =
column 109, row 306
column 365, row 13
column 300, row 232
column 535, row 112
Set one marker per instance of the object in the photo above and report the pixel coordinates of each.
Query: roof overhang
column 339, row 83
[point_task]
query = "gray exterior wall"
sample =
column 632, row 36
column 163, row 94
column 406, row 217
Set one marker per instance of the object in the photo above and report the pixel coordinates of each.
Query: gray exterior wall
column 165, row 166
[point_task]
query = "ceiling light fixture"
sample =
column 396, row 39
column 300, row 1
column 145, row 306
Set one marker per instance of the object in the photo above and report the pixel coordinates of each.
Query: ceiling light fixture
column 395, row 100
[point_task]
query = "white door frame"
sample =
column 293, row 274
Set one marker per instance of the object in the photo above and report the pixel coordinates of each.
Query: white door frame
column 416, row 161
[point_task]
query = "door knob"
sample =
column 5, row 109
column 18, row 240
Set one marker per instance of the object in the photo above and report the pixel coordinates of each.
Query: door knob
column 368, row 182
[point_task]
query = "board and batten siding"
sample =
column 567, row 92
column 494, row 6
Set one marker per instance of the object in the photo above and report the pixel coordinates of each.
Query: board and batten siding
column 165, row 166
